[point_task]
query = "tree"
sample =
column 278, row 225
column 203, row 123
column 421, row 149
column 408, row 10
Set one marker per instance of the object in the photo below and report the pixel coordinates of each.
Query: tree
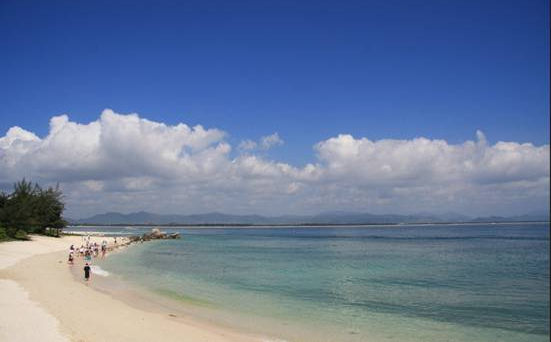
column 49, row 210
column 31, row 209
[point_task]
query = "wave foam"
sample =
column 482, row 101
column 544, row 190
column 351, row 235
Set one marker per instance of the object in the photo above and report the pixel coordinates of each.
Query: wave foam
column 99, row 271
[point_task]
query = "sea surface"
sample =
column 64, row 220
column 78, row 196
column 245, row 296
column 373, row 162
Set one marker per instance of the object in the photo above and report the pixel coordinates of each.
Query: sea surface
column 468, row 282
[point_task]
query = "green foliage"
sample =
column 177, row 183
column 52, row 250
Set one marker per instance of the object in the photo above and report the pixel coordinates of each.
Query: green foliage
column 21, row 235
column 31, row 209
column 54, row 232
column 3, row 234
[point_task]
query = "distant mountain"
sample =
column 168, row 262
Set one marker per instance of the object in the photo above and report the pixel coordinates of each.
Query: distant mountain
column 516, row 218
column 143, row 217
column 334, row 217
column 359, row 218
column 449, row 216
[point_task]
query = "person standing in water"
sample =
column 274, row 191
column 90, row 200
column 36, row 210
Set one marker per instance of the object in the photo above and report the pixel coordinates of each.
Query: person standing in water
column 87, row 272
column 103, row 248
column 88, row 256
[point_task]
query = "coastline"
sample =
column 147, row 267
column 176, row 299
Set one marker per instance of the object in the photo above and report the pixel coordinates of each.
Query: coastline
column 37, row 285
column 83, row 226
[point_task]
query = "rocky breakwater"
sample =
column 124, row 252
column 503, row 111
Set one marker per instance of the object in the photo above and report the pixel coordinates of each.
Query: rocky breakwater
column 155, row 234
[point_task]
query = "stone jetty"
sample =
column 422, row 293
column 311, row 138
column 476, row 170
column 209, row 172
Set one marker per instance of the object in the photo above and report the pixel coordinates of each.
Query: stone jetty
column 155, row 234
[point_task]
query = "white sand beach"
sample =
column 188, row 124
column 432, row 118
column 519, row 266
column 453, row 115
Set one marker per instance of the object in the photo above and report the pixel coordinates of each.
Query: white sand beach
column 40, row 300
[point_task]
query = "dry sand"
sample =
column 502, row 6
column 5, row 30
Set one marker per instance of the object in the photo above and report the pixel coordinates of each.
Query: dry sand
column 41, row 301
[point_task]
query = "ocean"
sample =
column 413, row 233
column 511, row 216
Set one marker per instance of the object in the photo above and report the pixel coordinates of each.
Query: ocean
column 416, row 283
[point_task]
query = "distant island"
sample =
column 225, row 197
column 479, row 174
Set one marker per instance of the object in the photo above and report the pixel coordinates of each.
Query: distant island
column 326, row 218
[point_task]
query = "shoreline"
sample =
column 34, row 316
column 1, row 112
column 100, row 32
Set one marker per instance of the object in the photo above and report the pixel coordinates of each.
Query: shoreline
column 268, row 226
column 36, row 277
column 37, row 285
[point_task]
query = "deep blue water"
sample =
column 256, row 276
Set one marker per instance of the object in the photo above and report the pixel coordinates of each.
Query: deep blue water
column 406, row 283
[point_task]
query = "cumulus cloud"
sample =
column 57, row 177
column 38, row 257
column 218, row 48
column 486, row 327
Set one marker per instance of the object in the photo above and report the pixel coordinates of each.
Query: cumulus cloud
column 248, row 145
column 114, row 146
column 124, row 162
column 265, row 143
column 391, row 162
column 270, row 141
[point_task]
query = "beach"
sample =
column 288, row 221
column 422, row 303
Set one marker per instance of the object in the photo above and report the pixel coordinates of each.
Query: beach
column 349, row 284
column 40, row 300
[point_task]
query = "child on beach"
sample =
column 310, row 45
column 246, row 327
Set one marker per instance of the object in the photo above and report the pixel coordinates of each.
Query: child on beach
column 71, row 257
column 87, row 271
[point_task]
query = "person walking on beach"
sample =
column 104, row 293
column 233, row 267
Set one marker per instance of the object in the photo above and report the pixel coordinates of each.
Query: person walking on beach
column 103, row 248
column 87, row 272
column 88, row 256
column 71, row 258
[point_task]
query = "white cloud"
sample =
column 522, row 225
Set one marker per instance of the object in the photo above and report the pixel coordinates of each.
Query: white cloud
column 112, row 147
column 423, row 161
column 270, row 141
column 15, row 143
column 265, row 143
column 247, row 145
column 127, row 163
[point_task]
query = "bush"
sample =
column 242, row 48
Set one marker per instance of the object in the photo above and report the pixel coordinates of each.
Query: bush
column 3, row 234
column 52, row 232
column 21, row 235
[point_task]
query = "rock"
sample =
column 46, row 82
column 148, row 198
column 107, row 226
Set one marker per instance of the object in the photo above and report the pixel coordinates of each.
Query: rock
column 155, row 232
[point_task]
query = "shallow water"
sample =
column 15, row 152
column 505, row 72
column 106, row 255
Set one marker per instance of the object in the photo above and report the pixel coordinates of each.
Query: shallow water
column 405, row 283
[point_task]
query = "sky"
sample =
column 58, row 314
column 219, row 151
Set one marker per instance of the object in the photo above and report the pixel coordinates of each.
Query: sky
column 277, row 107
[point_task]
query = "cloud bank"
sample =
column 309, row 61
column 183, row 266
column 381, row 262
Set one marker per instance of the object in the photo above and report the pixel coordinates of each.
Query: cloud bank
column 127, row 163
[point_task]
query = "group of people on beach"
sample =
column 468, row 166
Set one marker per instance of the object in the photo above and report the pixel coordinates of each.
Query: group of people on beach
column 88, row 250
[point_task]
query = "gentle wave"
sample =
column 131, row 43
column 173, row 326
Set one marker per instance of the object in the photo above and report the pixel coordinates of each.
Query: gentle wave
column 391, row 284
column 382, row 237
column 99, row 271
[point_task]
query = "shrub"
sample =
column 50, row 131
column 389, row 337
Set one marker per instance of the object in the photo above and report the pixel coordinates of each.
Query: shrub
column 21, row 235
column 3, row 234
column 52, row 232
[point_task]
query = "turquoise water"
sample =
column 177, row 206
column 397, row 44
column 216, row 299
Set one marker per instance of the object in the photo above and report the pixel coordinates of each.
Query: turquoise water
column 399, row 283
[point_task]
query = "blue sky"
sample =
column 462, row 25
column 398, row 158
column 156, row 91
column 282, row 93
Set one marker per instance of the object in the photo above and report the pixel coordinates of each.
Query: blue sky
column 334, row 79
column 307, row 70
